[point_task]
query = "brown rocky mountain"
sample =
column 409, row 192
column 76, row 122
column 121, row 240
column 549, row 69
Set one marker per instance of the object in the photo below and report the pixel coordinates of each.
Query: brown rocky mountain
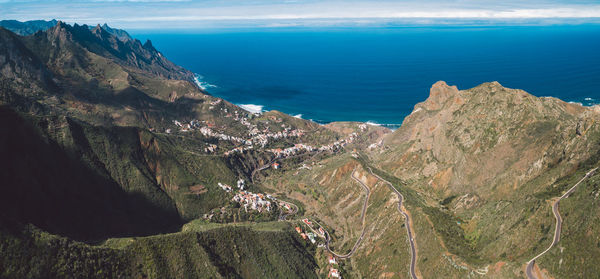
column 488, row 140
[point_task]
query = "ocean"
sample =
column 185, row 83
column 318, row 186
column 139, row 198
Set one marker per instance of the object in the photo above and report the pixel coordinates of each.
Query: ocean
column 379, row 74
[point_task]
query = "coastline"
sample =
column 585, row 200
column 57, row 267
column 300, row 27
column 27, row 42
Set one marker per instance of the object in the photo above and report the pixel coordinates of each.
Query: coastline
column 260, row 108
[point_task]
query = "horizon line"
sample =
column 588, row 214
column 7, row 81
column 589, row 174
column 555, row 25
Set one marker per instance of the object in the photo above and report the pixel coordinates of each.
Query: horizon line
column 334, row 22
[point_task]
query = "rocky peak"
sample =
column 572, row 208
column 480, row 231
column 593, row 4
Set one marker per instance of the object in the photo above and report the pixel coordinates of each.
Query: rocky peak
column 61, row 24
column 107, row 39
column 122, row 35
column 148, row 45
column 60, row 33
column 439, row 94
column 100, row 32
column 117, row 44
column 441, row 90
column 97, row 29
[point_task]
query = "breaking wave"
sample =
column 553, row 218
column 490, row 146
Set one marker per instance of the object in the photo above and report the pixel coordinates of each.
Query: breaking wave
column 252, row 108
column 576, row 103
column 390, row 126
column 201, row 83
column 372, row 123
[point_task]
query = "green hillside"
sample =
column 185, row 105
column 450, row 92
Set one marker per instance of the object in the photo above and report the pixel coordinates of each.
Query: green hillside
column 265, row 251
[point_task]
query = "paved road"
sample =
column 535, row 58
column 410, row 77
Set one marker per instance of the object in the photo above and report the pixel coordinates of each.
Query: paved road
column 408, row 225
column 364, row 229
column 283, row 216
column 268, row 165
column 531, row 263
column 408, row 221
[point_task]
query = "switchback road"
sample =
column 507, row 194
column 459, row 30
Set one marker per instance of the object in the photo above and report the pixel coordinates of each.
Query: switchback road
column 408, row 225
column 364, row 227
column 531, row 263
column 293, row 207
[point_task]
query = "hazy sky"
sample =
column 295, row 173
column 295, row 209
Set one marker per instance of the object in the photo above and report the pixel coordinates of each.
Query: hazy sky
column 188, row 13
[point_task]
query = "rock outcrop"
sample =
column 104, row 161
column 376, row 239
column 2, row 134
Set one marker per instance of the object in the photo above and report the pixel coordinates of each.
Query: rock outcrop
column 440, row 94
column 487, row 137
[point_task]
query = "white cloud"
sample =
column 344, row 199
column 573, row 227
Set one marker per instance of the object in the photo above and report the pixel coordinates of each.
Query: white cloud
column 182, row 13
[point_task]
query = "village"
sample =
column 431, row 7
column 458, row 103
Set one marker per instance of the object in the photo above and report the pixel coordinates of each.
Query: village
column 299, row 147
column 256, row 138
column 262, row 203
column 258, row 202
column 252, row 201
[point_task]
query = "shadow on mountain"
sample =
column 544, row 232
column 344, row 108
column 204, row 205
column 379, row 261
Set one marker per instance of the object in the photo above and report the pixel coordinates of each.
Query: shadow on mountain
column 135, row 99
column 55, row 189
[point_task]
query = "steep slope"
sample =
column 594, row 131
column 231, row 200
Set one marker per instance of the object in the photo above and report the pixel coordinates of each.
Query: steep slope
column 119, row 33
column 103, row 137
column 53, row 178
column 130, row 53
column 492, row 137
column 579, row 241
column 21, row 66
column 483, row 161
column 327, row 192
column 265, row 251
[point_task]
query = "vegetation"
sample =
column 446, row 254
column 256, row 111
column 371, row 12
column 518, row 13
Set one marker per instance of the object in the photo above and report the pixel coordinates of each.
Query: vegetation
column 270, row 250
column 99, row 175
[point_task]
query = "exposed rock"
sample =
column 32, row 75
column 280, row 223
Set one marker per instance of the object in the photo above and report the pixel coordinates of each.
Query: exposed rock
column 467, row 201
column 487, row 136
column 439, row 94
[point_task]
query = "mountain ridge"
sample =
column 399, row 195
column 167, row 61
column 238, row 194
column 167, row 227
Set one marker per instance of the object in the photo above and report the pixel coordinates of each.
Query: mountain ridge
column 27, row 27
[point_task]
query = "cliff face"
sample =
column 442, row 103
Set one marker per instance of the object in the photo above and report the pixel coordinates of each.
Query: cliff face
column 487, row 140
column 130, row 53
column 21, row 65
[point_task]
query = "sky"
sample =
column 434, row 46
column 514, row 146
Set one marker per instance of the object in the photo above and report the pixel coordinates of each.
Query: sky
column 152, row 14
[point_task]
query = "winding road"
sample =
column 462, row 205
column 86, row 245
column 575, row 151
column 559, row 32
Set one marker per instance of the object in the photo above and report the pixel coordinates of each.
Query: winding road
column 531, row 263
column 408, row 220
column 364, row 227
column 266, row 166
column 278, row 157
column 408, row 225
column 283, row 216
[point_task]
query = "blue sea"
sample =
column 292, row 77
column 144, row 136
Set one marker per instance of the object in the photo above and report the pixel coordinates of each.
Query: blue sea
column 379, row 74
